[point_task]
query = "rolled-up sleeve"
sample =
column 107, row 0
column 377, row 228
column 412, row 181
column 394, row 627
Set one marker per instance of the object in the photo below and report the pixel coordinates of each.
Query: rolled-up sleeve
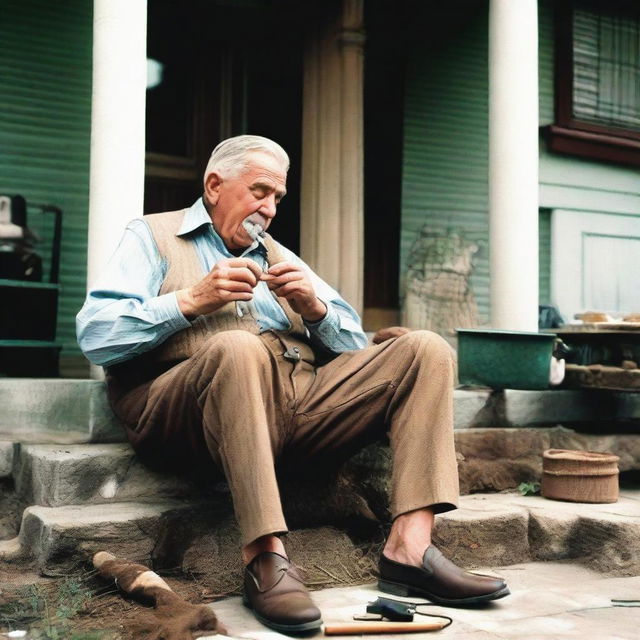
column 123, row 315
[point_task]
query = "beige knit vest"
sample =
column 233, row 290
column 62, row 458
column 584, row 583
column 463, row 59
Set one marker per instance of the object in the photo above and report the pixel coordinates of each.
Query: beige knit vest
column 184, row 269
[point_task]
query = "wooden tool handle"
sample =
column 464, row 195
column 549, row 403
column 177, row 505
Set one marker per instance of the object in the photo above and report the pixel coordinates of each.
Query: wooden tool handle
column 358, row 628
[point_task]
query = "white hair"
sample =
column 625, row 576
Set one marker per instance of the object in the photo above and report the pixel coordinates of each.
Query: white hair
column 233, row 155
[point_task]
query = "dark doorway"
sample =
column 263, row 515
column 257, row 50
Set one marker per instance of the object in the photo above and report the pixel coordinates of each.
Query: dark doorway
column 222, row 69
column 384, row 75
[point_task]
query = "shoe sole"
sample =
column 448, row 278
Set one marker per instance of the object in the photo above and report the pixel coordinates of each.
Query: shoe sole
column 285, row 628
column 405, row 590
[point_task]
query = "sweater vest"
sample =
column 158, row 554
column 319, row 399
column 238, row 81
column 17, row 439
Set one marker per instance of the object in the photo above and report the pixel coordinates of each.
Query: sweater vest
column 184, row 269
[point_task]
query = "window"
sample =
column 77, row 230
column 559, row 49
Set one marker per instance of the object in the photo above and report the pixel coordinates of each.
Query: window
column 597, row 81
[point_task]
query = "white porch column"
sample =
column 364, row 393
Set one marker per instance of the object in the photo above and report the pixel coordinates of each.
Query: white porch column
column 332, row 198
column 513, row 163
column 116, row 188
column 116, row 184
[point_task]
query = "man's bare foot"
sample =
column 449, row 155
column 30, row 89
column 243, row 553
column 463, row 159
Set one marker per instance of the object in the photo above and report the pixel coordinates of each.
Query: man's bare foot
column 410, row 535
column 260, row 545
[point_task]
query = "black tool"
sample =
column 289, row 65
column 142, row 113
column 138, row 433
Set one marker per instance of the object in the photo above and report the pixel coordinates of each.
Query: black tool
column 393, row 610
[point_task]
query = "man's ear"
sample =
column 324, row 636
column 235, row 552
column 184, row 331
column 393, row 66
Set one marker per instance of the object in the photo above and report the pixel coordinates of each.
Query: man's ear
column 212, row 184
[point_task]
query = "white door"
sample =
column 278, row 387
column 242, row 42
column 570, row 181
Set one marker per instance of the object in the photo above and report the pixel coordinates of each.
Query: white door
column 595, row 263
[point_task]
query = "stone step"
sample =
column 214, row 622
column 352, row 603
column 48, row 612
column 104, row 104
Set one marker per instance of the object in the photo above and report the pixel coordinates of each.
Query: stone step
column 56, row 411
column 56, row 475
column 76, row 411
column 488, row 530
column 499, row 459
column 488, row 460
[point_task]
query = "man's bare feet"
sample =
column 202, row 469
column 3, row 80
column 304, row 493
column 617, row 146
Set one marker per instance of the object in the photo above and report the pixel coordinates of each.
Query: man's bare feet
column 260, row 545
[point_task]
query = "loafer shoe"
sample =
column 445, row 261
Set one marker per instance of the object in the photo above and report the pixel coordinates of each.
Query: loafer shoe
column 439, row 580
column 275, row 590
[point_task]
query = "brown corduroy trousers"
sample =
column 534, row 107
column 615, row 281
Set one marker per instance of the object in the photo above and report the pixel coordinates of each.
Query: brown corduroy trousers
column 239, row 402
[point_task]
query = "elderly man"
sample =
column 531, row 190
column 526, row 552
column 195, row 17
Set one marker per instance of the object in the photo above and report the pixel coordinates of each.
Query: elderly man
column 222, row 347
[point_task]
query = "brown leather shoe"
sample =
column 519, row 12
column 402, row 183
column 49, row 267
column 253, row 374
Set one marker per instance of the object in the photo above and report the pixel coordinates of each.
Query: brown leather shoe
column 439, row 580
column 274, row 589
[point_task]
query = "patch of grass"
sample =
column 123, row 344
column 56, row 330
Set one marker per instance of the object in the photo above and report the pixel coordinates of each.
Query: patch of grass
column 47, row 609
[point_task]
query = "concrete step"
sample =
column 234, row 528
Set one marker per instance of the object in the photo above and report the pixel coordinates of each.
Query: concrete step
column 488, row 460
column 62, row 411
column 499, row 459
column 56, row 411
column 57, row 475
column 203, row 540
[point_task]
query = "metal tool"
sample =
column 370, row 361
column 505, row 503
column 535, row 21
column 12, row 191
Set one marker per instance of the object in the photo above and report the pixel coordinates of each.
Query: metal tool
column 256, row 233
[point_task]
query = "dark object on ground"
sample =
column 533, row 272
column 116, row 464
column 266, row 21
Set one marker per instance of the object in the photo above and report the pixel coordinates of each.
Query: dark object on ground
column 173, row 617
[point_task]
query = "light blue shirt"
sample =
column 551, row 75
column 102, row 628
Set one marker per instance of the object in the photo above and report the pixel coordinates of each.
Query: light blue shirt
column 123, row 315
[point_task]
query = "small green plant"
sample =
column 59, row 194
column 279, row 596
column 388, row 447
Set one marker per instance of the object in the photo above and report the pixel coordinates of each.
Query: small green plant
column 529, row 488
column 47, row 611
column 72, row 597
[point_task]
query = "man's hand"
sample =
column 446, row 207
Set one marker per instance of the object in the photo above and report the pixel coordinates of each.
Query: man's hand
column 230, row 279
column 291, row 282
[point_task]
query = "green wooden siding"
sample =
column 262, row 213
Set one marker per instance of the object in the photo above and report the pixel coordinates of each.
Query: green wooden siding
column 445, row 162
column 446, row 132
column 45, row 124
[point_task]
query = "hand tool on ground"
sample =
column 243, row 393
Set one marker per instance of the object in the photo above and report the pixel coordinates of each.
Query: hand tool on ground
column 361, row 628
column 387, row 615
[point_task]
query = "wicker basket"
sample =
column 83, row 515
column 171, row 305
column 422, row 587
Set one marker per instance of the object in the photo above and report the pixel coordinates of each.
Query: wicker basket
column 580, row 476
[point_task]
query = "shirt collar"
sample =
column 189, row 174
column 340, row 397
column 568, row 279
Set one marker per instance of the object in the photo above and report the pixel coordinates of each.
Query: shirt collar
column 196, row 216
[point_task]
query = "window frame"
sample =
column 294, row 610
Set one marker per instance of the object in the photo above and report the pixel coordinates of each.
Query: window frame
column 571, row 135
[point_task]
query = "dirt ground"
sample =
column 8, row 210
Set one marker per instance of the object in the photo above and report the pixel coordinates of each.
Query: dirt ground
column 78, row 606
column 82, row 606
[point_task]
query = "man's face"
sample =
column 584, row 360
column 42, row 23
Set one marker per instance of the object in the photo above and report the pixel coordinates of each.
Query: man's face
column 254, row 194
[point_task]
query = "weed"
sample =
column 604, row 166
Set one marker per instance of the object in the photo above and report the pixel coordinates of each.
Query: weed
column 47, row 611
column 529, row 488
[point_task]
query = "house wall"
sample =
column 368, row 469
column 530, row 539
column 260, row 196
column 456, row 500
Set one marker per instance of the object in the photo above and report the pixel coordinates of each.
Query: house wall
column 45, row 123
column 444, row 181
column 569, row 183
column 446, row 141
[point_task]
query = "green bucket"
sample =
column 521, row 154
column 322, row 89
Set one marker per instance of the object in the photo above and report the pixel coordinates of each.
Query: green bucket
column 504, row 359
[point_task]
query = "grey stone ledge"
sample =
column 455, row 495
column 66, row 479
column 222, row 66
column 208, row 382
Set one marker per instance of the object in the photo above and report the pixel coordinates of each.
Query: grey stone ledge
column 77, row 411
column 487, row 529
column 57, row 411
column 518, row 408
column 57, row 475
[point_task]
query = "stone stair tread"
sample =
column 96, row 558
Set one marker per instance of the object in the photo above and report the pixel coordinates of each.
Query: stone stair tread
column 51, row 535
column 69, row 411
column 488, row 459
column 56, row 475
column 76, row 516
column 626, row 506
column 57, row 411
column 487, row 529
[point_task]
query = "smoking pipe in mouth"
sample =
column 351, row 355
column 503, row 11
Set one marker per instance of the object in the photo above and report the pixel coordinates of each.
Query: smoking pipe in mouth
column 254, row 229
